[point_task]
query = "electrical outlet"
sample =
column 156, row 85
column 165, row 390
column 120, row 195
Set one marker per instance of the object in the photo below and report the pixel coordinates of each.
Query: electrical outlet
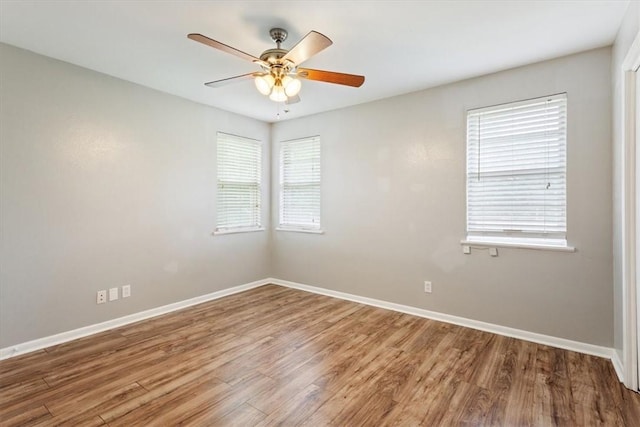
column 126, row 291
column 466, row 249
column 493, row 251
column 113, row 294
column 102, row 297
column 427, row 286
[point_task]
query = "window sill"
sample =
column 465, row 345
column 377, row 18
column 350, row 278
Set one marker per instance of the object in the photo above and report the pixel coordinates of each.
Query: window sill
column 237, row 230
column 300, row 230
column 536, row 246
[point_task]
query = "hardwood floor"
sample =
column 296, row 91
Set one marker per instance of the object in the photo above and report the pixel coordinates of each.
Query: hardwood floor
column 277, row 356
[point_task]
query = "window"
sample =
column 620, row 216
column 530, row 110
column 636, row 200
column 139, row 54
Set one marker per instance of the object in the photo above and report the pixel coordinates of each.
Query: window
column 239, row 179
column 300, row 184
column 516, row 172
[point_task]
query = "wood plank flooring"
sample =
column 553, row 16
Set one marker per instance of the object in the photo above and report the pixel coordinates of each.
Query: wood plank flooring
column 277, row 356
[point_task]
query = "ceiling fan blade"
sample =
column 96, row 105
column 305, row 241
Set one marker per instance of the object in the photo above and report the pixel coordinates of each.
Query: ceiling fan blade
column 225, row 48
column 235, row 79
column 310, row 44
column 331, row 77
column 292, row 100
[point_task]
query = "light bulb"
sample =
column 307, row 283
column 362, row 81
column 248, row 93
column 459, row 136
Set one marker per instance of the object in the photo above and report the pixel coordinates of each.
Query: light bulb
column 277, row 94
column 292, row 88
column 264, row 83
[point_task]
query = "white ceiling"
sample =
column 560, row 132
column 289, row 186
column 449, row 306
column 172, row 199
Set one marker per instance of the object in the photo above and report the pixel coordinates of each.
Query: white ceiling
column 400, row 46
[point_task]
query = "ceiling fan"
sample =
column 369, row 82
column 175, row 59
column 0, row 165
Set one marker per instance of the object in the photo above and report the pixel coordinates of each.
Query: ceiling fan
column 281, row 72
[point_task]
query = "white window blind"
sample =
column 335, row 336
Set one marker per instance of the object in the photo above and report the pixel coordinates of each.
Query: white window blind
column 300, row 184
column 516, row 171
column 239, row 177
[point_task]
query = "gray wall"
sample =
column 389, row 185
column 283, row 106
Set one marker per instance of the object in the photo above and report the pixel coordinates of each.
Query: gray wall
column 394, row 206
column 106, row 183
column 626, row 35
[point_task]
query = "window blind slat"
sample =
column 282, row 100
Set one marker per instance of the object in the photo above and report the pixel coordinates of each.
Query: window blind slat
column 516, row 169
column 300, row 178
column 239, row 163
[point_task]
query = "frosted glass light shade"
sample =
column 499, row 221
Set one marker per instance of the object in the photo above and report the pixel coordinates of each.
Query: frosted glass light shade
column 277, row 94
column 264, row 84
column 292, row 86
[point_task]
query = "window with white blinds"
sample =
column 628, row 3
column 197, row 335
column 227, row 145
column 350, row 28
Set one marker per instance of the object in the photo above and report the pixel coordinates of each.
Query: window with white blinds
column 516, row 172
column 239, row 163
column 300, row 184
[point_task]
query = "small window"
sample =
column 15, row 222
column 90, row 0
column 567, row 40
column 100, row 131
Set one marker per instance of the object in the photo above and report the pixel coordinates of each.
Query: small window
column 239, row 183
column 300, row 184
column 516, row 172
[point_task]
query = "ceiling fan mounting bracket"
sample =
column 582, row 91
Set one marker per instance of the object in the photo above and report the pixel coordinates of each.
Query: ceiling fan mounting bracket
column 278, row 35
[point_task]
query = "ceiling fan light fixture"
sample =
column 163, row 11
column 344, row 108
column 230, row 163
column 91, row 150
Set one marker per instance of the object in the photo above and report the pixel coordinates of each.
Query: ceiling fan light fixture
column 285, row 80
column 291, row 86
column 277, row 94
column 264, row 84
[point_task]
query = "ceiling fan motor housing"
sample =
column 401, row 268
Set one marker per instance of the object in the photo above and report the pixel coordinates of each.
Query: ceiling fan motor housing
column 273, row 56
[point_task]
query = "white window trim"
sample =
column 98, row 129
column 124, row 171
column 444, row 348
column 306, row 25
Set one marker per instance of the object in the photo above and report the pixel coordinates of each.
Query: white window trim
column 488, row 240
column 301, row 230
column 517, row 245
column 236, row 230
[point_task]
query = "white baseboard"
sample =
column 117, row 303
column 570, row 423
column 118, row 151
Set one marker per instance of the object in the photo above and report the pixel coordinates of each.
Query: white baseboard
column 566, row 344
column 617, row 365
column 63, row 337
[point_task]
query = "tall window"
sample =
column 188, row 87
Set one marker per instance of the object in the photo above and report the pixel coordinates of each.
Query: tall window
column 300, row 184
column 239, row 182
column 516, row 172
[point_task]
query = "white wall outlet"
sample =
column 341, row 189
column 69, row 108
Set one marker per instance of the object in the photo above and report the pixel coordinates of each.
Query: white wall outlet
column 427, row 286
column 102, row 297
column 126, row 291
column 466, row 249
column 493, row 251
column 113, row 294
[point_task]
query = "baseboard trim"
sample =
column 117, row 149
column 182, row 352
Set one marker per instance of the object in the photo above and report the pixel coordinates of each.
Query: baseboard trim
column 40, row 343
column 552, row 341
column 617, row 365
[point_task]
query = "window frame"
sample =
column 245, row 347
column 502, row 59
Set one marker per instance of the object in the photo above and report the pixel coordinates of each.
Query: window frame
column 301, row 228
column 527, row 237
column 221, row 139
